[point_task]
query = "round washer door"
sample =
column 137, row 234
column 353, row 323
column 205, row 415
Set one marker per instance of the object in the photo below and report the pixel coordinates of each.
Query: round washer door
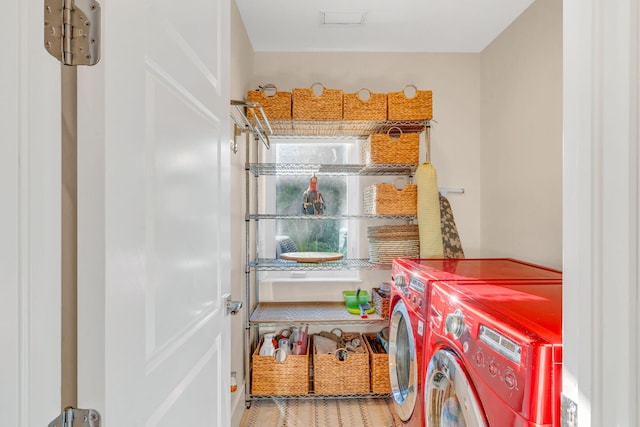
column 403, row 365
column 449, row 398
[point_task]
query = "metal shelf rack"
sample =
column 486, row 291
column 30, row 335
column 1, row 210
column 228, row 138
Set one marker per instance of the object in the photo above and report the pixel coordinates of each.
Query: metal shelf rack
column 291, row 129
column 326, row 217
column 267, row 313
column 324, row 312
column 269, row 264
column 311, row 395
column 296, row 169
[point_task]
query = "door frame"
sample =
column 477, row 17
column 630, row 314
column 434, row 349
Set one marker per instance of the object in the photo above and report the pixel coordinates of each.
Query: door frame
column 30, row 220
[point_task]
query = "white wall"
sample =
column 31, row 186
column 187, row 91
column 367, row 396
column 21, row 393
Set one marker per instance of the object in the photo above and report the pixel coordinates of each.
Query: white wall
column 521, row 155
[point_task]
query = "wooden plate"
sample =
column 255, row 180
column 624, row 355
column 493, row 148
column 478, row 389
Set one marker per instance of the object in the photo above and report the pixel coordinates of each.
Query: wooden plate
column 312, row 257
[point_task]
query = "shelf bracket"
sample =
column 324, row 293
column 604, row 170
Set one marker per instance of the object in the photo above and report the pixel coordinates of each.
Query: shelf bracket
column 258, row 124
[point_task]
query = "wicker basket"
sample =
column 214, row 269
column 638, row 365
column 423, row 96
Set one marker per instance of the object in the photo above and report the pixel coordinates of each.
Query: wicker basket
column 276, row 106
column 348, row 376
column 391, row 148
column 356, row 108
column 387, row 242
column 379, row 361
column 386, row 199
column 270, row 377
column 418, row 107
column 308, row 106
column 380, row 303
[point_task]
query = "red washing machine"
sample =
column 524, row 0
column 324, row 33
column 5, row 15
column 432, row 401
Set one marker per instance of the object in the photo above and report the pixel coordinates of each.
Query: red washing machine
column 407, row 327
column 496, row 353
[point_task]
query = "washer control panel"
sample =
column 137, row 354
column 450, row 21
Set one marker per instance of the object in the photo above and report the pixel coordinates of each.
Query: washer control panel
column 416, row 285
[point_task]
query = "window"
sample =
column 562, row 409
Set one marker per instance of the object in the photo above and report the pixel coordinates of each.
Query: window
column 284, row 196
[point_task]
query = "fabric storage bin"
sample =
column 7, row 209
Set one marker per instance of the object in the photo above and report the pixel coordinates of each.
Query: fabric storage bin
column 379, row 362
column 386, row 199
column 391, row 148
column 277, row 106
column 270, row 377
column 356, row 108
column 334, row 376
column 418, row 107
column 308, row 106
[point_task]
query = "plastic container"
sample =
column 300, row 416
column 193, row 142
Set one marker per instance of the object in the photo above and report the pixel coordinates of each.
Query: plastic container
column 353, row 303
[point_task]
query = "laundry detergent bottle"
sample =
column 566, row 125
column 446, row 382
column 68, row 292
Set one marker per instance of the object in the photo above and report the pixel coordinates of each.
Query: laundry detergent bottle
column 268, row 347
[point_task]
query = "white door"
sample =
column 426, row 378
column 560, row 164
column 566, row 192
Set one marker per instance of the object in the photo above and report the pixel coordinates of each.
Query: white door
column 153, row 227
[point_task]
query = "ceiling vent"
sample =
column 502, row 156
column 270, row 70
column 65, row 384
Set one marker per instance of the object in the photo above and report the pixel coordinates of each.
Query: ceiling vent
column 342, row 17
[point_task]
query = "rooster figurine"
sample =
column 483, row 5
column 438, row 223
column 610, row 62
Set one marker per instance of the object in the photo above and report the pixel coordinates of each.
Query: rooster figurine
column 312, row 201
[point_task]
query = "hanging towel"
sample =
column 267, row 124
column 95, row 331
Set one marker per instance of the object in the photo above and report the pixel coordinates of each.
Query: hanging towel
column 429, row 225
column 451, row 245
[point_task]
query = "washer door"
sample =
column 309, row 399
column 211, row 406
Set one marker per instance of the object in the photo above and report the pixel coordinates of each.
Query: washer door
column 403, row 366
column 449, row 398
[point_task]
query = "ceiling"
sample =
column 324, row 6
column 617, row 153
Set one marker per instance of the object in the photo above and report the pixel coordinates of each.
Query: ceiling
column 388, row 25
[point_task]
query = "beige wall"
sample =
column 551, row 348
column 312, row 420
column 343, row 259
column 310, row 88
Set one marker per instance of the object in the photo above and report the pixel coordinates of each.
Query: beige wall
column 455, row 82
column 521, row 156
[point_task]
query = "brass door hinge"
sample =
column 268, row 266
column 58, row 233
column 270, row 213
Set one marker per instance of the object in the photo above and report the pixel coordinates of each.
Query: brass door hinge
column 74, row 417
column 72, row 31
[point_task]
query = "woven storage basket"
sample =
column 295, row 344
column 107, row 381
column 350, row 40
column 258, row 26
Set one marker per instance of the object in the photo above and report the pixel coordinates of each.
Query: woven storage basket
column 380, row 303
column 386, row 199
column 356, row 108
column 379, row 361
column 391, row 148
column 418, row 107
column 387, row 242
column 276, row 106
column 348, row 376
column 308, row 106
column 270, row 377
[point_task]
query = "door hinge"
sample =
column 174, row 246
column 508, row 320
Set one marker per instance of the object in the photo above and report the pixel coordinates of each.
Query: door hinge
column 72, row 31
column 74, row 417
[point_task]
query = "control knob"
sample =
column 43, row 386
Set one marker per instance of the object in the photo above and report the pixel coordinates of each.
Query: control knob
column 455, row 324
column 401, row 284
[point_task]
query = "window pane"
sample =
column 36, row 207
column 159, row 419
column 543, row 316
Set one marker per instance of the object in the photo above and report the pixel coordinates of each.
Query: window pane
column 312, row 236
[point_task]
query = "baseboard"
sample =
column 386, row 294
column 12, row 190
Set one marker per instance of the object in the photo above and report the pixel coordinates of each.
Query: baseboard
column 237, row 406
